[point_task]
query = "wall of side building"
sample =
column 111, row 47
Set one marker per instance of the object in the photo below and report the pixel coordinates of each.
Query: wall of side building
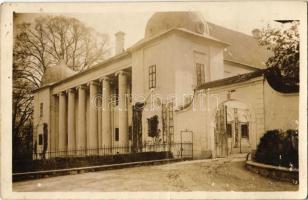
column 281, row 110
column 41, row 115
column 200, row 116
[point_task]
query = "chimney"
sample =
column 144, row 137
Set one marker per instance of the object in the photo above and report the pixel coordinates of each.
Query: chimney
column 119, row 42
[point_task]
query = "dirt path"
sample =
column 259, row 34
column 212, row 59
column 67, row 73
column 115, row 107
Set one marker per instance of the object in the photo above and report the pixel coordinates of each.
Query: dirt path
column 204, row 175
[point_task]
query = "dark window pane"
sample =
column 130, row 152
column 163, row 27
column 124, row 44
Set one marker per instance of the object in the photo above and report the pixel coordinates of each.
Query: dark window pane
column 229, row 130
column 41, row 109
column 130, row 132
column 244, row 129
column 116, row 134
column 40, row 139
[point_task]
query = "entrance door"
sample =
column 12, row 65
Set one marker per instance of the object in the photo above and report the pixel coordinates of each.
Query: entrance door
column 221, row 137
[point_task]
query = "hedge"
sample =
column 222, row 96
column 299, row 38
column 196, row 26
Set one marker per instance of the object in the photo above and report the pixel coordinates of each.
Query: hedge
column 279, row 148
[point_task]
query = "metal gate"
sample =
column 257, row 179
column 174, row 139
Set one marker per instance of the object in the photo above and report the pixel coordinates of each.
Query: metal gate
column 221, row 138
column 186, row 144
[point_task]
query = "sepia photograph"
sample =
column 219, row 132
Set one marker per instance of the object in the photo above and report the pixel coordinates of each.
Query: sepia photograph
column 157, row 100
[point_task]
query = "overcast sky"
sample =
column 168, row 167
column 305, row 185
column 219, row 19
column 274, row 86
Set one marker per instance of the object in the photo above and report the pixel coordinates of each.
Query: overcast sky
column 134, row 23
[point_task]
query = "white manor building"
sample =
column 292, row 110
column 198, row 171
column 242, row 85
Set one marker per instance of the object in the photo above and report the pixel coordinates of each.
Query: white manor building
column 197, row 82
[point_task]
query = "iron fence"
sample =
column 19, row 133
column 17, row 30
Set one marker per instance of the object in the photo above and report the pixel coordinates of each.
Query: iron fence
column 177, row 150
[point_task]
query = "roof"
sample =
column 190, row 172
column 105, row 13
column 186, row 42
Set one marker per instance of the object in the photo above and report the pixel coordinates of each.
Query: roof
column 89, row 70
column 231, row 80
column 56, row 73
column 143, row 41
column 244, row 48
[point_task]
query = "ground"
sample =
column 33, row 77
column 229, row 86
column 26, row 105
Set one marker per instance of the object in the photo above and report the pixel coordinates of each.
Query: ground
column 199, row 175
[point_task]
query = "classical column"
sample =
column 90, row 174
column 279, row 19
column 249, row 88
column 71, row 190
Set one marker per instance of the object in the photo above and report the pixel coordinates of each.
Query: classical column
column 81, row 120
column 62, row 123
column 93, row 133
column 123, row 114
column 71, row 121
column 106, row 117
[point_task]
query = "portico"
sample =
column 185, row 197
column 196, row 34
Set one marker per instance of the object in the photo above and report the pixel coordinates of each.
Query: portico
column 78, row 115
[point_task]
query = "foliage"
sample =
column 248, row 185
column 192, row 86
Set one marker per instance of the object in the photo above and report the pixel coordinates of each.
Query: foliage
column 278, row 148
column 42, row 44
column 284, row 44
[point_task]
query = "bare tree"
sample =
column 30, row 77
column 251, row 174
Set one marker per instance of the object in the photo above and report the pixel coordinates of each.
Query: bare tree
column 43, row 44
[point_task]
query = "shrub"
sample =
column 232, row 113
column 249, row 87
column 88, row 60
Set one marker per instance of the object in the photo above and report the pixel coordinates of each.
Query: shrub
column 278, row 148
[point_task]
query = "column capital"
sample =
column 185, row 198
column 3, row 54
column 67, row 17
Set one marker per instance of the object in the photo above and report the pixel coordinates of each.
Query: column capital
column 104, row 78
column 93, row 82
column 81, row 87
column 121, row 72
column 71, row 90
column 62, row 93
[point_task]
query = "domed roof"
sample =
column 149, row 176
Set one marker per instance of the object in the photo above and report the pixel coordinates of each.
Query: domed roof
column 163, row 21
column 56, row 73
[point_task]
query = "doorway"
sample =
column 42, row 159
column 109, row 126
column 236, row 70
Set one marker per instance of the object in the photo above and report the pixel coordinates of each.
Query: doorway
column 232, row 130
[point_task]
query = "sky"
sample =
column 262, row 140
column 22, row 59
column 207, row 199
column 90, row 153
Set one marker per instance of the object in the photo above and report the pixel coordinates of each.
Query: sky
column 133, row 24
column 131, row 19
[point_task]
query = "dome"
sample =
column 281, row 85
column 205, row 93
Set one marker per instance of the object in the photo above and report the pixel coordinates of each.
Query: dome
column 56, row 73
column 163, row 21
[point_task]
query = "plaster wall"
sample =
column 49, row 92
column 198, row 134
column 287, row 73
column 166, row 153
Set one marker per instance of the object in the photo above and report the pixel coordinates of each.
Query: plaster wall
column 201, row 119
column 281, row 110
column 187, row 51
column 43, row 96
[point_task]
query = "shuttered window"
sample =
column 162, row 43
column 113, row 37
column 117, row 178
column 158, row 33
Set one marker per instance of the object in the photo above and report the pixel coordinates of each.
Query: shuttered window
column 152, row 76
column 41, row 109
column 200, row 74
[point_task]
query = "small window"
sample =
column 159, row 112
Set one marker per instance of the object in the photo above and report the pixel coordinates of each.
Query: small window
column 229, row 130
column 41, row 109
column 152, row 76
column 200, row 74
column 245, row 131
column 40, row 139
column 116, row 134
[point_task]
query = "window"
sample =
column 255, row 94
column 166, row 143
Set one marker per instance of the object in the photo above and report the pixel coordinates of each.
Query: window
column 153, row 126
column 41, row 109
column 130, row 132
column 200, row 74
column 171, row 128
column 40, row 139
column 116, row 99
column 152, row 76
column 229, row 130
column 116, row 134
column 245, row 131
column 171, row 113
